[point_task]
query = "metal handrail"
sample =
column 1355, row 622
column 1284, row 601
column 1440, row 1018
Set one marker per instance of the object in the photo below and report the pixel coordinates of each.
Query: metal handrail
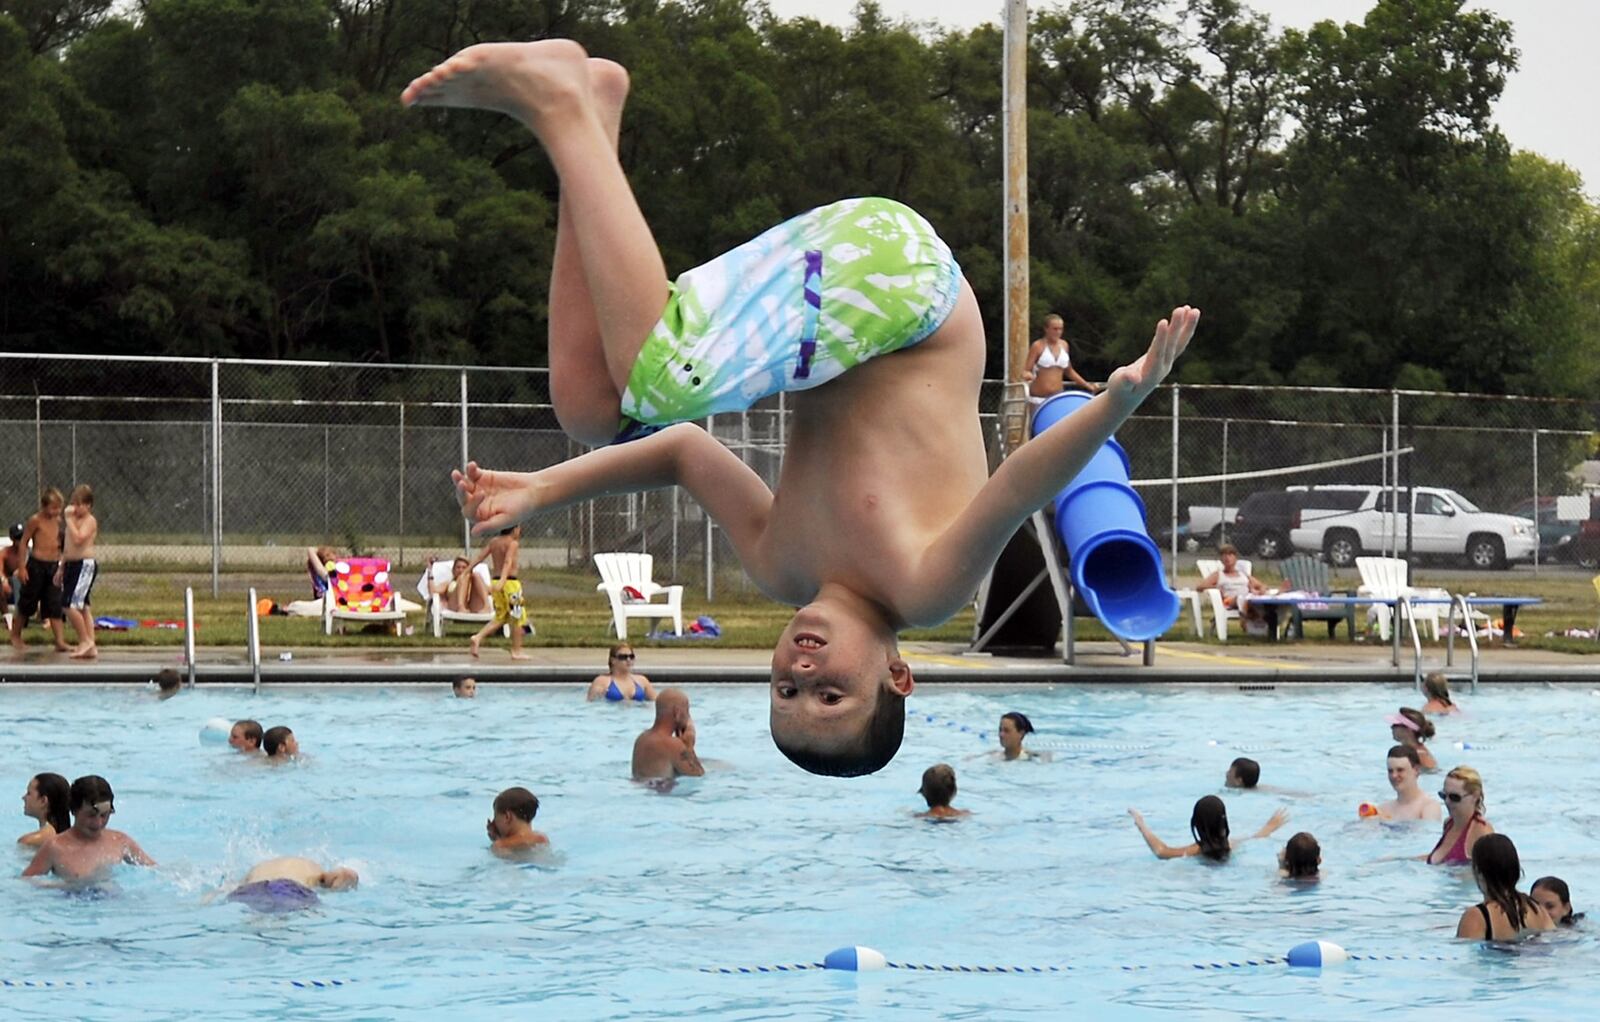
column 252, row 632
column 1457, row 600
column 1404, row 603
column 188, row 633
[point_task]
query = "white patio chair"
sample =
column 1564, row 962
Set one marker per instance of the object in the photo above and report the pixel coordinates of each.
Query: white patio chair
column 620, row 572
column 434, row 605
column 1389, row 578
column 1221, row 613
column 391, row 613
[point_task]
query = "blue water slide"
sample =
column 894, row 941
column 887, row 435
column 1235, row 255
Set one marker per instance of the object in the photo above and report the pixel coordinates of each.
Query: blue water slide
column 1100, row 520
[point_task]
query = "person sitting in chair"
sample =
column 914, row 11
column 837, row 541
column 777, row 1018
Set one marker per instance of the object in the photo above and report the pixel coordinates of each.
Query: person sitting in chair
column 1236, row 587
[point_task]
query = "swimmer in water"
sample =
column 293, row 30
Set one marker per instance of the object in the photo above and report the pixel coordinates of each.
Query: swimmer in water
column 1242, row 773
column 1553, row 896
column 939, row 789
column 281, row 744
column 245, row 736
column 1409, row 802
column 1014, row 727
column 1462, row 795
column 1301, row 859
column 168, row 683
column 465, row 688
column 290, row 883
column 1505, row 913
column 89, row 848
column 1208, row 824
column 860, row 310
column 619, row 684
column 666, row 750
column 1437, row 688
column 1410, row 727
column 46, row 800
column 511, row 828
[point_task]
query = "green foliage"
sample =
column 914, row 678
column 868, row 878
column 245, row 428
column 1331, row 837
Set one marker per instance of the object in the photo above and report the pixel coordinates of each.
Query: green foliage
column 235, row 177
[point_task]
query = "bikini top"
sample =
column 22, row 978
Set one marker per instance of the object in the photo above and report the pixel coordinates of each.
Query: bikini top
column 614, row 694
column 1048, row 359
column 1457, row 855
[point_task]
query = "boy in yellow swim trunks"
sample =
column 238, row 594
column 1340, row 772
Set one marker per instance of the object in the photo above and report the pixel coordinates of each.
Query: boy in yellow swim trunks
column 505, row 591
column 884, row 516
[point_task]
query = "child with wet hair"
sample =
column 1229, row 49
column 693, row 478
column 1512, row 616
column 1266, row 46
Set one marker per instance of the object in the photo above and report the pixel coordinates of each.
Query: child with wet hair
column 884, row 517
column 511, row 827
column 939, row 790
column 1301, row 858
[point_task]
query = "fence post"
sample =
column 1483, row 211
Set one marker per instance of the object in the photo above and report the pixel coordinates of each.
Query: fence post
column 216, row 479
column 1174, row 522
column 401, row 502
column 326, row 468
column 38, row 438
column 466, row 527
column 1394, row 481
column 1535, row 515
column 1224, row 508
column 74, row 454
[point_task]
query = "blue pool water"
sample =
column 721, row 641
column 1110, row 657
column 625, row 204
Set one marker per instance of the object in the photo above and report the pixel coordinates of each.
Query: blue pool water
column 760, row 863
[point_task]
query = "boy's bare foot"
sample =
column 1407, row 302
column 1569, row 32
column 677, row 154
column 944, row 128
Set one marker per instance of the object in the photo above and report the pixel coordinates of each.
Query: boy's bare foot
column 18, row 644
column 62, row 647
column 84, row 653
column 524, row 80
column 472, row 646
column 519, row 656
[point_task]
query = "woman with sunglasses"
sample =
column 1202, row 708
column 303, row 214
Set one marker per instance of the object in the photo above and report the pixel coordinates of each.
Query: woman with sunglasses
column 620, row 684
column 1505, row 913
column 1465, row 827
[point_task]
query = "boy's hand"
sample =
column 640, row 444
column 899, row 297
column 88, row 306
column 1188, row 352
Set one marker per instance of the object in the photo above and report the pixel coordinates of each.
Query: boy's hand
column 1133, row 383
column 496, row 500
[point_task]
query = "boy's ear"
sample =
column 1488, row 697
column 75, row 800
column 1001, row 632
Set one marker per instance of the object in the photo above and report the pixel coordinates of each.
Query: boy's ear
column 900, row 678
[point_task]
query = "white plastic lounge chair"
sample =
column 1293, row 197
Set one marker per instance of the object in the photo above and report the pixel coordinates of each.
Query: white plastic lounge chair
column 1221, row 613
column 1389, row 577
column 390, row 612
column 622, row 572
column 439, row 614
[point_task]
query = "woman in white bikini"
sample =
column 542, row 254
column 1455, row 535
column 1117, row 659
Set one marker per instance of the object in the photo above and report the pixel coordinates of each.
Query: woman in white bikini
column 1050, row 364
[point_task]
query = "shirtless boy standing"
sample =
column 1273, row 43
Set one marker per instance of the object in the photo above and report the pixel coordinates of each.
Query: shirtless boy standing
column 38, row 574
column 666, row 750
column 506, row 589
column 90, row 848
column 75, row 578
column 511, row 828
column 885, row 516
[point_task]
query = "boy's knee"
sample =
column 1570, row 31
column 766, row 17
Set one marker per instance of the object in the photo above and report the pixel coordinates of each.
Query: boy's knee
column 587, row 418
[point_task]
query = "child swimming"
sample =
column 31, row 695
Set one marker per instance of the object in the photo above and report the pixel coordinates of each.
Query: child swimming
column 1208, row 825
column 860, row 311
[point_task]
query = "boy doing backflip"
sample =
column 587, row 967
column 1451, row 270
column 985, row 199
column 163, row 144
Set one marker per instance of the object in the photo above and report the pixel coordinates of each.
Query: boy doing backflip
column 884, row 516
column 75, row 577
column 41, row 590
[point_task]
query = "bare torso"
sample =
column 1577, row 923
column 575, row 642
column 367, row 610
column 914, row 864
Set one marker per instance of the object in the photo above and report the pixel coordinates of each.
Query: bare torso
column 45, row 533
column 879, row 463
column 1422, row 808
column 72, row 856
column 657, row 753
column 82, row 530
column 304, row 872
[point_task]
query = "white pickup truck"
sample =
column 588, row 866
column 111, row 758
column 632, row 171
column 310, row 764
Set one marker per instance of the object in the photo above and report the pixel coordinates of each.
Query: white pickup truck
column 1443, row 524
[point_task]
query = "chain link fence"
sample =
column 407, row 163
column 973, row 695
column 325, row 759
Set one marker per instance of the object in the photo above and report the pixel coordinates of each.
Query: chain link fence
column 233, row 466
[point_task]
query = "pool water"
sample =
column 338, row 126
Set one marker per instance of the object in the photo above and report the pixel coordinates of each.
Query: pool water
column 759, row 863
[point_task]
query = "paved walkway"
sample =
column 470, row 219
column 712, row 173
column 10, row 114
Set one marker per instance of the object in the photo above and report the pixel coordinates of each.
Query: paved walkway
column 1097, row 662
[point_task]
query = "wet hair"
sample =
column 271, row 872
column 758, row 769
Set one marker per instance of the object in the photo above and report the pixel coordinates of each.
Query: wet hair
column 1209, row 825
column 273, row 740
column 252, row 730
column 1406, row 752
column 1472, row 782
column 168, row 680
column 1227, row 548
column 1558, row 887
column 1425, row 728
column 1301, row 855
column 50, row 495
column 90, row 789
column 57, row 795
column 83, row 494
column 519, row 802
column 1023, row 724
column 938, row 785
column 872, row 750
column 1434, row 686
column 1495, row 864
column 459, row 684
column 1247, row 770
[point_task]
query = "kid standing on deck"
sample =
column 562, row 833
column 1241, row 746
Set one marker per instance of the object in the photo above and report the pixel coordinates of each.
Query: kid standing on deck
column 884, row 515
column 506, row 589
column 76, row 576
column 40, row 591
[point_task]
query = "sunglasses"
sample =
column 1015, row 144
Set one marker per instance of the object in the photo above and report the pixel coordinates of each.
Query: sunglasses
column 102, row 810
column 622, row 656
column 1453, row 796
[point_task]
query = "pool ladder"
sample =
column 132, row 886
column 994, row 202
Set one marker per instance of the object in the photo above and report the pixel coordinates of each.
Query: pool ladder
column 1456, row 601
column 188, row 633
column 252, row 631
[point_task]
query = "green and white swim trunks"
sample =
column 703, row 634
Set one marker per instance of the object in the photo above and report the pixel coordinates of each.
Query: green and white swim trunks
column 790, row 310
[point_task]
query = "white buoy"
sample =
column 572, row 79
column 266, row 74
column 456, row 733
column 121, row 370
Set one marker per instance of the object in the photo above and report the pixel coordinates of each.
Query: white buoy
column 854, row 959
column 215, row 731
column 1316, row 954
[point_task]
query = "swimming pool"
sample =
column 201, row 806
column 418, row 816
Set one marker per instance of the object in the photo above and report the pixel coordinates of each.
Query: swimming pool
column 761, row 864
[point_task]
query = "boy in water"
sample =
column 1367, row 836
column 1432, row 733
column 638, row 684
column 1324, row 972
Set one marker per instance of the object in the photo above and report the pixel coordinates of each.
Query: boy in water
column 245, row 736
column 939, row 790
column 40, row 591
column 884, row 516
column 90, row 848
column 511, row 828
column 506, row 589
column 666, row 750
column 289, row 883
column 75, row 577
column 281, row 744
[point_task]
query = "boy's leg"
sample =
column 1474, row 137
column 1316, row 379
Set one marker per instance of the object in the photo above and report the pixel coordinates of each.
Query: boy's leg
column 83, row 627
column 546, row 86
column 483, row 633
column 17, row 622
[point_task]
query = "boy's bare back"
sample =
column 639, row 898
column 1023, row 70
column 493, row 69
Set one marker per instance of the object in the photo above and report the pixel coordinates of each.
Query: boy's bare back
column 502, row 552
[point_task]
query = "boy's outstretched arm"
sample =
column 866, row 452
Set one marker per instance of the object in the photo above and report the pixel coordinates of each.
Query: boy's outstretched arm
column 956, row 563
column 682, row 455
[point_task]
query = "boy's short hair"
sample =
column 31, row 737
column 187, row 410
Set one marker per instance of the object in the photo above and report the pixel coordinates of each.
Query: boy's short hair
column 50, row 495
column 1247, row 770
column 519, row 802
column 168, row 680
column 273, row 740
column 1227, row 548
column 460, row 683
column 876, row 745
column 83, row 494
column 251, row 730
column 938, row 785
column 1406, row 752
column 89, row 790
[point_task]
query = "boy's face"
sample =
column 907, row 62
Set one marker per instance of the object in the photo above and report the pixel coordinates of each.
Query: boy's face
column 51, row 508
column 828, row 670
column 241, row 741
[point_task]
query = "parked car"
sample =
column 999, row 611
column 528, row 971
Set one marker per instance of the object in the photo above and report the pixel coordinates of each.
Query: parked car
column 1443, row 524
column 1261, row 525
column 1205, row 523
column 1559, row 541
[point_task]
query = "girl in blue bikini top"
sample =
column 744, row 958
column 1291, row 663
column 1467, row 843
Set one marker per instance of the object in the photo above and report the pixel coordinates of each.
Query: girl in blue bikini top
column 620, row 684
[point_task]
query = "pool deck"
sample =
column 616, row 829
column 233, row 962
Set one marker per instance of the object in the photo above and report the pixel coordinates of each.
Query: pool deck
column 936, row 663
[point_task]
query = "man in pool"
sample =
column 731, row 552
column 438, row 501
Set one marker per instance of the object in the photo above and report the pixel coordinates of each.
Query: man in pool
column 245, row 736
column 666, row 750
column 511, row 830
column 89, row 848
column 1409, row 802
column 290, row 883
column 884, row 516
column 281, row 744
